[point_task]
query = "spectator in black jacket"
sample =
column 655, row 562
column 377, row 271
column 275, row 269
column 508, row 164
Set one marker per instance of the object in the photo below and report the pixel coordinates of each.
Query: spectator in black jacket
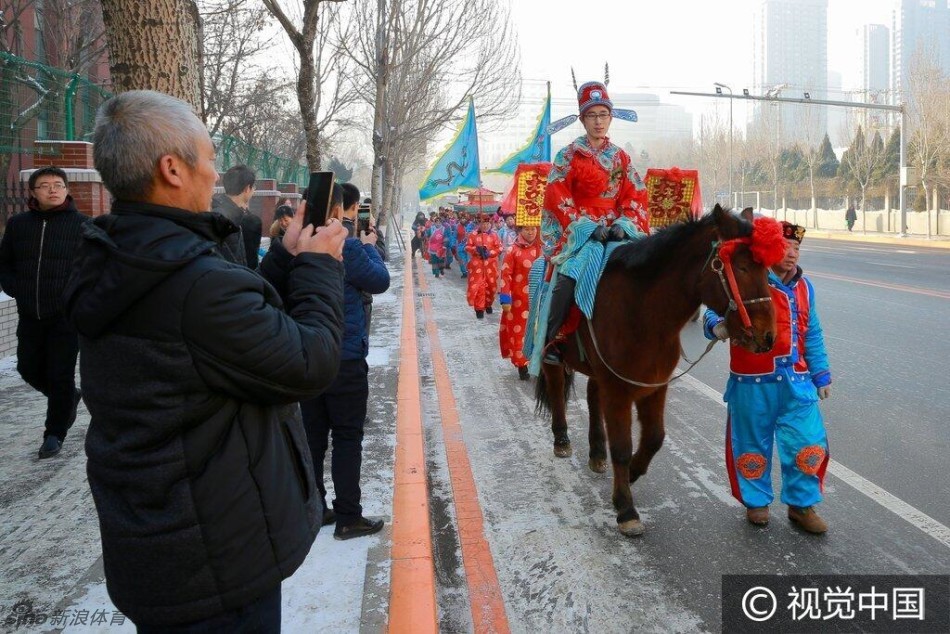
column 341, row 410
column 202, row 479
column 36, row 255
column 242, row 247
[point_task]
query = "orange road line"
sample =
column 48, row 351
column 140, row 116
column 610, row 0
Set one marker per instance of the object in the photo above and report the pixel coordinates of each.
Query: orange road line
column 412, row 598
column 893, row 287
column 484, row 591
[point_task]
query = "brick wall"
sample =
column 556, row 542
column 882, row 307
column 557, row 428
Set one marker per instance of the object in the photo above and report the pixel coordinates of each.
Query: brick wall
column 75, row 158
column 8, row 322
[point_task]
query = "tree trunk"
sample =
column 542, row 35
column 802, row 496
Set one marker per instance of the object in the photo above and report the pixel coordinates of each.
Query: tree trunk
column 307, row 102
column 379, row 111
column 389, row 179
column 154, row 45
column 864, row 210
column 926, row 204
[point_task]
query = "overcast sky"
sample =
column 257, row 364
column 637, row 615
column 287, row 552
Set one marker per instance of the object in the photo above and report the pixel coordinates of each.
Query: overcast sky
column 663, row 44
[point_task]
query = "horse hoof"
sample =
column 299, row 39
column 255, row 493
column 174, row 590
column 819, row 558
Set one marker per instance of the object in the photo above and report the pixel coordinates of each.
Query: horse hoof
column 563, row 451
column 631, row 528
column 597, row 465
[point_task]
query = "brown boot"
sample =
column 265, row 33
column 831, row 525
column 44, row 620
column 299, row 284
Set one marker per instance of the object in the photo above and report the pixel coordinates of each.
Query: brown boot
column 758, row 515
column 807, row 519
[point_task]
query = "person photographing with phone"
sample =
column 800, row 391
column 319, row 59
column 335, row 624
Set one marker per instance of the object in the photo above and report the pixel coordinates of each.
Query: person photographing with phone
column 341, row 409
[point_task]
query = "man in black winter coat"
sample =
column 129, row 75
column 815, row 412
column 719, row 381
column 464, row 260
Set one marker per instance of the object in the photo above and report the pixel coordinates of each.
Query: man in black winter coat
column 36, row 255
column 242, row 247
column 200, row 473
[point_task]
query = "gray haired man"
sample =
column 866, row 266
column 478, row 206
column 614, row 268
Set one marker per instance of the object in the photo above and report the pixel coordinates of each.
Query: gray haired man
column 200, row 475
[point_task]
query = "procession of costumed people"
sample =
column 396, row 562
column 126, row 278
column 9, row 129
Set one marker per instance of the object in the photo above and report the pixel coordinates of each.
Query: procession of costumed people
column 561, row 214
column 562, row 221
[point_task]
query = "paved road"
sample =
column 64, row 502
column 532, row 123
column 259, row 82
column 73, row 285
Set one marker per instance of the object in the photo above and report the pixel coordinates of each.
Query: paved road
column 561, row 563
column 886, row 314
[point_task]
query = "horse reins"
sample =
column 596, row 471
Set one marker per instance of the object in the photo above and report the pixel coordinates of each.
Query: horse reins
column 720, row 262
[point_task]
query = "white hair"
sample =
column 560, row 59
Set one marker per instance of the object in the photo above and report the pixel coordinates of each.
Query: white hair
column 133, row 131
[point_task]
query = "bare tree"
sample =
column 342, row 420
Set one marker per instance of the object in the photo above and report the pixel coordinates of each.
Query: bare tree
column 862, row 162
column 72, row 33
column 238, row 76
column 929, row 91
column 323, row 88
column 812, row 136
column 155, row 45
column 419, row 68
column 713, row 150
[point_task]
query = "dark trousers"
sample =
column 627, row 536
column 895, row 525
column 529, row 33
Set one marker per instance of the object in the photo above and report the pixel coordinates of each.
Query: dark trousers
column 341, row 410
column 261, row 616
column 46, row 359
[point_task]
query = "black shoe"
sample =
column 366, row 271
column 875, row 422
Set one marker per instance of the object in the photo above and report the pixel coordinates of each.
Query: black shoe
column 523, row 373
column 489, row 310
column 51, row 446
column 480, row 314
column 362, row 527
column 553, row 355
column 464, row 275
column 329, row 517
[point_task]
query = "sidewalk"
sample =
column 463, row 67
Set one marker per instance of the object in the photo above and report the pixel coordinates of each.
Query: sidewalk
column 49, row 533
column 937, row 242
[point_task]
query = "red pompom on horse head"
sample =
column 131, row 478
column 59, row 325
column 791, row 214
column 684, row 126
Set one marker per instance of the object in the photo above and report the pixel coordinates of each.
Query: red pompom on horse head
column 768, row 242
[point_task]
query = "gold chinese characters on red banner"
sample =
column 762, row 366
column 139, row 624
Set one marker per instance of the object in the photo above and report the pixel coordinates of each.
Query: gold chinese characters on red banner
column 526, row 197
column 674, row 196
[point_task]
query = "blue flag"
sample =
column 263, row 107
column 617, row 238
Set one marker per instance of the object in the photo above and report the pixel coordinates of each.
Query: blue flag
column 458, row 166
column 538, row 149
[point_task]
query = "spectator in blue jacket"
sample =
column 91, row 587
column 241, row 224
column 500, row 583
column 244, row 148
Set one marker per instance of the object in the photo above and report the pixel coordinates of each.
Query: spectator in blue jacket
column 340, row 411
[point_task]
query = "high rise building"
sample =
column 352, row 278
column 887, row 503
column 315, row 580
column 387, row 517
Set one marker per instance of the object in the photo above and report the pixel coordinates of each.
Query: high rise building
column 875, row 58
column 918, row 25
column 790, row 47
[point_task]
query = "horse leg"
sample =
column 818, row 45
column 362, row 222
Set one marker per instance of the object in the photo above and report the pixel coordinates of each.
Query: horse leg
column 596, row 436
column 652, row 431
column 555, row 376
column 618, row 414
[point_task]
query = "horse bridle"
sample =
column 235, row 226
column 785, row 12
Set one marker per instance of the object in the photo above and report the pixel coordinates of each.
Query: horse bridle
column 719, row 262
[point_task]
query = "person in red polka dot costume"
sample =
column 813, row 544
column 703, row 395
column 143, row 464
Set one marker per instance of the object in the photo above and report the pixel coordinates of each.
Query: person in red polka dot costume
column 514, row 297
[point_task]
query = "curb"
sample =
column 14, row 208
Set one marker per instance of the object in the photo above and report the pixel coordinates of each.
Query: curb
column 412, row 596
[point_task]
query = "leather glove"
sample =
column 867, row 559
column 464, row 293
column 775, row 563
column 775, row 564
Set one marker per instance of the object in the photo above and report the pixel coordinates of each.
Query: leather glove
column 720, row 330
column 483, row 252
column 599, row 234
column 616, row 233
column 824, row 392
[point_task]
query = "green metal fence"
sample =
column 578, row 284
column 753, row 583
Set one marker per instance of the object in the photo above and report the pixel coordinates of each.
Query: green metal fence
column 39, row 102
column 233, row 151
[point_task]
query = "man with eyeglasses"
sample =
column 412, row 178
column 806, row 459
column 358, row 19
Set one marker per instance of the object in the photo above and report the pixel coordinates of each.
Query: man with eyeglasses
column 36, row 256
column 594, row 195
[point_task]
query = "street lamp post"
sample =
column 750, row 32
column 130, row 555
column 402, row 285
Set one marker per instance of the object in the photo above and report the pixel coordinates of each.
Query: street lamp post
column 719, row 86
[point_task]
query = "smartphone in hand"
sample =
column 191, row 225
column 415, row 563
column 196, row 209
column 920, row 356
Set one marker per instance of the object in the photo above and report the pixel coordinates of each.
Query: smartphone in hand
column 319, row 191
column 362, row 220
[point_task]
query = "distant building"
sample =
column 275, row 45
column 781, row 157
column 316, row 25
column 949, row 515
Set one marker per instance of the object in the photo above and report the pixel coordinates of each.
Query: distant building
column 917, row 25
column 790, row 57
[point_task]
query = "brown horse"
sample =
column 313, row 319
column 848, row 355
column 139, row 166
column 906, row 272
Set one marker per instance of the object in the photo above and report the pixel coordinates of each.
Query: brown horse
column 646, row 295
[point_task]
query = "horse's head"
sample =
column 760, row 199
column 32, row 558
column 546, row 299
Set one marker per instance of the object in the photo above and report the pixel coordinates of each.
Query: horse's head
column 735, row 281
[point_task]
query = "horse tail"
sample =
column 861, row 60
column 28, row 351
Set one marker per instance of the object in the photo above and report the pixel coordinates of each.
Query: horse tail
column 542, row 398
